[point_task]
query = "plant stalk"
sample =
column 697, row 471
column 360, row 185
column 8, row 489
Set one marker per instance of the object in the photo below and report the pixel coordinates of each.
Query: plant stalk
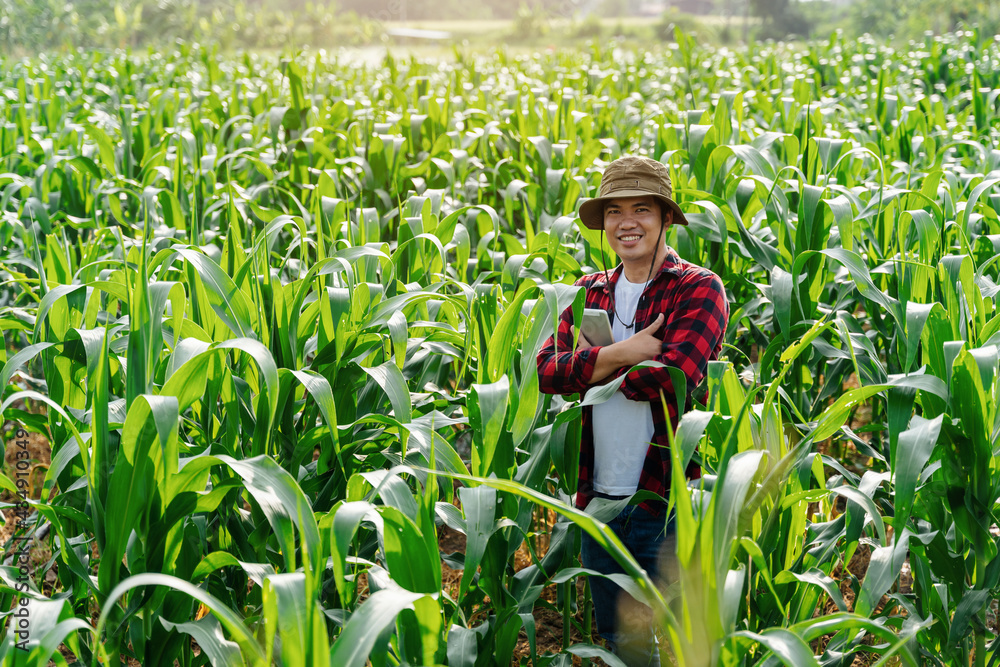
column 567, row 611
column 588, row 613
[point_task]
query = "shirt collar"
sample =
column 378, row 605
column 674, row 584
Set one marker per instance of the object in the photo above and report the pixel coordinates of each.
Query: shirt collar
column 671, row 265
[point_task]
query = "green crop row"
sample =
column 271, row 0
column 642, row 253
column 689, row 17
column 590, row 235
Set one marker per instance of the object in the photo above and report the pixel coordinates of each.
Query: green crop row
column 278, row 321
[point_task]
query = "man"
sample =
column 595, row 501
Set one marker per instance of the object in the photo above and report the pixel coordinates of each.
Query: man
column 662, row 308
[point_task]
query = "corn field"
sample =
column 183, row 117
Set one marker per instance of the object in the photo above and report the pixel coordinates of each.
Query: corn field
column 277, row 322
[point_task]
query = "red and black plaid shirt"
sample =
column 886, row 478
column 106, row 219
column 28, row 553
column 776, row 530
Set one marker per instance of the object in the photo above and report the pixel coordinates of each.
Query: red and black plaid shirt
column 693, row 301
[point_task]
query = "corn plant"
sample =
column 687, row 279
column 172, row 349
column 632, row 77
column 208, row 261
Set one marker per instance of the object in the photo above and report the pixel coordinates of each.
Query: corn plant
column 277, row 319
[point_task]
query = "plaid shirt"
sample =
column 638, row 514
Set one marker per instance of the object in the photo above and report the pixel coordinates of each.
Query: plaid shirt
column 693, row 300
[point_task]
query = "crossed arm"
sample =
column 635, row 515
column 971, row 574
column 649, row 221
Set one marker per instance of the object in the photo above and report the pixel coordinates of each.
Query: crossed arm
column 687, row 337
column 643, row 346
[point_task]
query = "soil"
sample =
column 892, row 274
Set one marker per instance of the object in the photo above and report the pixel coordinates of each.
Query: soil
column 28, row 455
column 549, row 629
column 39, row 458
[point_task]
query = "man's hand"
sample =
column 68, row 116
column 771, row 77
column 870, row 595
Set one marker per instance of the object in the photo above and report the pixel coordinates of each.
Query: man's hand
column 642, row 346
column 583, row 343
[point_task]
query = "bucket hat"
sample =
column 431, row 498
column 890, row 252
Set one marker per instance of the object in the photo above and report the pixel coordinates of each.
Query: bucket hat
column 631, row 176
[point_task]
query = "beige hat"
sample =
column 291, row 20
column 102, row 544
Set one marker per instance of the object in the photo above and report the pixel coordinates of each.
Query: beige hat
column 631, row 176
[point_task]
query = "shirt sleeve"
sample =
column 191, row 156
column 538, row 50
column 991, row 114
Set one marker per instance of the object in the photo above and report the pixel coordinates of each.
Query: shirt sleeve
column 692, row 336
column 567, row 372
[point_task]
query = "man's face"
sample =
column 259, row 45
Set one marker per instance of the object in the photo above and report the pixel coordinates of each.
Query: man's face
column 633, row 227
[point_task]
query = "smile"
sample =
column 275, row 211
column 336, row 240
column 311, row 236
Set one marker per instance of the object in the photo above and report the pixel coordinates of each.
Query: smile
column 629, row 238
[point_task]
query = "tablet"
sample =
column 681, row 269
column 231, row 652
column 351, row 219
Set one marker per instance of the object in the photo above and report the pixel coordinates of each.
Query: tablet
column 597, row 327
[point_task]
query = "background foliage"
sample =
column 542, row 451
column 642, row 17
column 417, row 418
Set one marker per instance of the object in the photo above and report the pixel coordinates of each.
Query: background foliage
column 45, row 25
column 277, row 319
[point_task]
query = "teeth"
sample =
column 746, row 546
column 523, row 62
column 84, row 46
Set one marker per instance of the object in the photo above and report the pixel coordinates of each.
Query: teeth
column 629, row 238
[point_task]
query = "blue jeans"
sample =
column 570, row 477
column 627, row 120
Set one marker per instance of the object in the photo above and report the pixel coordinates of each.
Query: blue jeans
column 625, row 623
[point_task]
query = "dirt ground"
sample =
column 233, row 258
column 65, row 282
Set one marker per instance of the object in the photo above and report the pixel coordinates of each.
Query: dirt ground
column 548, row 622
column 36, row 465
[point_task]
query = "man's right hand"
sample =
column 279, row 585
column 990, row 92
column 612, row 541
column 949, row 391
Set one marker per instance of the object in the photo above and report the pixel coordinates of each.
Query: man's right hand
column 643, row 346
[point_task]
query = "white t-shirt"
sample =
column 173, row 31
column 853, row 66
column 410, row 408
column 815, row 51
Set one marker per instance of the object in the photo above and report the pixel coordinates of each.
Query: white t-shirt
column 623, row 429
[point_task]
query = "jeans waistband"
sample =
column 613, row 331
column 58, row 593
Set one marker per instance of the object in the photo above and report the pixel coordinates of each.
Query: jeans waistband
column 607, row 496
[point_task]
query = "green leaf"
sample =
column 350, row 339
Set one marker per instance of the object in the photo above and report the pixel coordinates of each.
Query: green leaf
column 463, row 646
column 970, row 605
column 408, row 556
column 916, row 319
column 257, row 572
column 913, row 451
column 728, row 502
column 623, row 581
column 105, row 148
column 173, row 215
column 815, row 577
column 487, row 416
column 834, row 417
column 829, row 624
column 560, row 297
column 973, row 199
column 46, row 305
column 867, row 503
column 282, row 502
column 971, row 407
column 843, row 215
column 527, row 407
column 208, row 633
column 390, row 379
column 479, row 504
column 319, row 388
column 786, row 645
column 232, row 622
column 355, row 643
column 347, row 517
column 225, row 298
column 598, row 394
column 286, row 610
column 147, row 459
column 18, row 360
column 883, row 569
column 862, row 279
column 591, row 651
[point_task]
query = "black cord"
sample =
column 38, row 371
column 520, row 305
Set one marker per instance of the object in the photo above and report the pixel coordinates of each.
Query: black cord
column 607, row 280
